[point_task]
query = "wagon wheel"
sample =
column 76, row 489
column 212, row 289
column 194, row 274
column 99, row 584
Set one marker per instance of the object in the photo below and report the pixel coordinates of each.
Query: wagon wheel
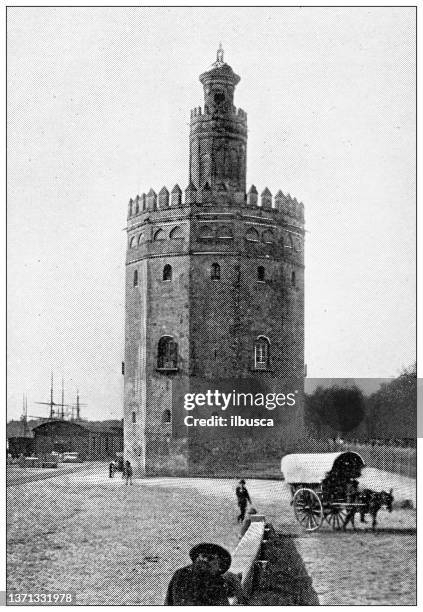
column 336, row 517
column 308, row 509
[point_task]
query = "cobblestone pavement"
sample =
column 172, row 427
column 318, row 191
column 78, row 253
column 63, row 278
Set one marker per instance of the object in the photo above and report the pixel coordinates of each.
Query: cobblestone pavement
column 119, row 544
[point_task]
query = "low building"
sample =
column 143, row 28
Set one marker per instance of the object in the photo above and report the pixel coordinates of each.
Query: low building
column 20, row 445
column 93, row 441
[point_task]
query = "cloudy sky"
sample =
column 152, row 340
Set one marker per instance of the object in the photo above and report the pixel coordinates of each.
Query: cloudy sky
column 98, row 110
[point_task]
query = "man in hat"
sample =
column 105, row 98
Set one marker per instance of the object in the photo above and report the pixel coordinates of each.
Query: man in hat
column 243, row 498
column 201, row 583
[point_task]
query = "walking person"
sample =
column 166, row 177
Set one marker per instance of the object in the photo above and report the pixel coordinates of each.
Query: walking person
column 243, row 498
column 128, row 472
column 112, row 468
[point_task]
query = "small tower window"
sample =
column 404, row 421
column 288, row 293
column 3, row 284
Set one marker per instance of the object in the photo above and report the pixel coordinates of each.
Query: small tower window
column 219, row 97
column 215, row 271
column 262, row 353
column 167, row 272
column 134, row 417
column 252, row 235
column 268, row 237
column 293, row 279
column 135, row 278
column 167, row 353
column 166, row 416
column 206, row 232
column 133, row 242
column 225, row 233
column 261, row 274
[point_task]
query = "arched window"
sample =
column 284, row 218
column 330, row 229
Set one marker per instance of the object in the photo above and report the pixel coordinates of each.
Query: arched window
column 215, row 271
column 133, row 242
column 140, row 238
column 159, row 235
column 177, row 232
column 225, row 232
column 135, row 278
column 166, row 416
column 262, row 353
column 252, row 235
column 268, row 237
column 167, row 353
column 261, row 274
column 167, row 272
column 293, row 279
column 206, row 232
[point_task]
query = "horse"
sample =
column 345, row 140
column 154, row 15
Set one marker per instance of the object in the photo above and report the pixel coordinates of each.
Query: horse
column 372, row 502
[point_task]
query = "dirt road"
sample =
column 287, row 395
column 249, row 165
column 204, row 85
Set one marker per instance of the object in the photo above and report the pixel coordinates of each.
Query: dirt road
column 116, row 544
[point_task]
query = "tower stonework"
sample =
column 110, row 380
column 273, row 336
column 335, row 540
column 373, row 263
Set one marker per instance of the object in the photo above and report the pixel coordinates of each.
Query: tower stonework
column 214, row 294
column 218, row 133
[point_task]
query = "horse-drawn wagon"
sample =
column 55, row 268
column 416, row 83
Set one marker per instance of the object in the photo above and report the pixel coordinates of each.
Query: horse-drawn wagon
column 324, row 487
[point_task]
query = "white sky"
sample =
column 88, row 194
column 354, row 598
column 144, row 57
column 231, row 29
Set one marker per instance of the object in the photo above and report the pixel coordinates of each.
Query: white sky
column 98, row 107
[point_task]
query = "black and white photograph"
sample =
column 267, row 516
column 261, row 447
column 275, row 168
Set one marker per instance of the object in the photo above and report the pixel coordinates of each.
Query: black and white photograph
column 211, row 306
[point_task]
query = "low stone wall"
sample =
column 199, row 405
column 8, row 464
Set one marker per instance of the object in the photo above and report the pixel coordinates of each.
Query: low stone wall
column 247, row 552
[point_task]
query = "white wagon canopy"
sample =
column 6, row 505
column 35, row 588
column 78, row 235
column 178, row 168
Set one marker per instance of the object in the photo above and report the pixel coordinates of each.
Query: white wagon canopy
column 313, row 468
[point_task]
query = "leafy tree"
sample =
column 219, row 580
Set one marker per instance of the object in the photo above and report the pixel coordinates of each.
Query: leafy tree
column 392, row 408
column 335, row 408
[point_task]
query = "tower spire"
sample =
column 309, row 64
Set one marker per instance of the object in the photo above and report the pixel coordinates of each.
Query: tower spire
column 218, row 137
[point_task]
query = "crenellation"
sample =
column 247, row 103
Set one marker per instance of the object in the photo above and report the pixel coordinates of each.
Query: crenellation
column 266, row 199
column 176, row 197
column 190, row 194
column 219, row 195
column 163, row 201
column 151, row 200
column 252, row 196
column 204, row 114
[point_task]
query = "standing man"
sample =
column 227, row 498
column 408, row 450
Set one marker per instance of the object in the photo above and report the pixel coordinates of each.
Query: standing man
column 243, row 498
column 128, row 472
column 111, row 469
column 201, row 583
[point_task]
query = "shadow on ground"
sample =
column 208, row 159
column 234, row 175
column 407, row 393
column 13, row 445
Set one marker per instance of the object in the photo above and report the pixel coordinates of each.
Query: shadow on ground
column 283, row 580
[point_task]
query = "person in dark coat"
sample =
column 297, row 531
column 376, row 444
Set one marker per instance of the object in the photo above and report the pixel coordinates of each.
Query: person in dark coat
column 128, row 471
column 243, row 498
column 201, row 583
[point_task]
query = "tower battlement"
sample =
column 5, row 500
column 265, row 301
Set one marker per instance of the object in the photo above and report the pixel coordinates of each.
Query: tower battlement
column 199, row 113
column 278, row 205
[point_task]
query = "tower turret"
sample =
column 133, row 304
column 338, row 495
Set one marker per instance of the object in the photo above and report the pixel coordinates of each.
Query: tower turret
column 218, row 136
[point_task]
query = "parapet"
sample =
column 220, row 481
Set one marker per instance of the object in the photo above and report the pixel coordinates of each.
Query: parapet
column 198, row 113
column 219, row 195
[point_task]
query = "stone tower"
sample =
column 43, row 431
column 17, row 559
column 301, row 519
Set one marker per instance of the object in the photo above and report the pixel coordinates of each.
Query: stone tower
column 214, row 295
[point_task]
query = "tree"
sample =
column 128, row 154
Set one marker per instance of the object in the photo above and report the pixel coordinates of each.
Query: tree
column 392, row 408
column 335, row 409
